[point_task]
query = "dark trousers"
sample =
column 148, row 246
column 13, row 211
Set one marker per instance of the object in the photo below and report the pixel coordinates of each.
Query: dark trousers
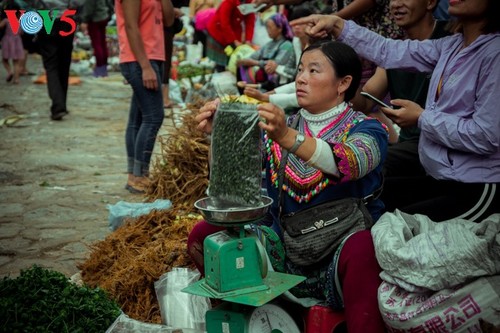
column 168, row 36
column 56, row 55
column 409, row 189
column 441, row 200
column 97, row 33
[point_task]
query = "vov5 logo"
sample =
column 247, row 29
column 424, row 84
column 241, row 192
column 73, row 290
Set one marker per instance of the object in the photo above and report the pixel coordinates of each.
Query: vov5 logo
column 32, row 22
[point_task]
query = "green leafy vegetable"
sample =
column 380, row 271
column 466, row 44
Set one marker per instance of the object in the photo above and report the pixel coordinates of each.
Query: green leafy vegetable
column 41, row 300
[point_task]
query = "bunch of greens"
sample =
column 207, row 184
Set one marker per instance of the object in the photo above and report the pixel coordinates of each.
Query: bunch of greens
column 189, row 71
column 236, row 158
column 41, row 300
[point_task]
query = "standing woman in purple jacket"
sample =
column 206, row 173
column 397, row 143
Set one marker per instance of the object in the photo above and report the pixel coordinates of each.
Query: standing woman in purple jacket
column 460, row 124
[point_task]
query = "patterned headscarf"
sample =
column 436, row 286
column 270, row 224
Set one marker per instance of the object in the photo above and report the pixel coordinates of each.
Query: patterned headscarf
column 281, row 22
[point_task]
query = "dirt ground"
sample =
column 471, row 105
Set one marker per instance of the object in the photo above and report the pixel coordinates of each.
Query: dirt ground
column 57, row 177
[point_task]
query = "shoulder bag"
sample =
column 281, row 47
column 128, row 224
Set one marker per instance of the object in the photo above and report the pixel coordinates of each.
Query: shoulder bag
column 313, row 234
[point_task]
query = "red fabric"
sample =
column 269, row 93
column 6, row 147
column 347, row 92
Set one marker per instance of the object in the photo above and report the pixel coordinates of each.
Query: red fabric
column 359, row 271
column 195, row 242
column 203, row 17
column 97, row 33
column 225, row 26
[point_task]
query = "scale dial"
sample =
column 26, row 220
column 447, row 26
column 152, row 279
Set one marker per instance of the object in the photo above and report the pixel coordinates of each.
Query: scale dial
column 271, row 318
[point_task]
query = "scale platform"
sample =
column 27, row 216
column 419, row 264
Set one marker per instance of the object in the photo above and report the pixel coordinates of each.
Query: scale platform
column 275, row 284
column 224, row 214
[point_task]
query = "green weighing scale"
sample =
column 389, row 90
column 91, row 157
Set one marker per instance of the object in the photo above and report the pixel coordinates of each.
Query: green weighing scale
column 236, row 271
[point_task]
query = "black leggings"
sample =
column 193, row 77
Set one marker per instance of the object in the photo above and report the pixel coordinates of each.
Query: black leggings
column 441, row 199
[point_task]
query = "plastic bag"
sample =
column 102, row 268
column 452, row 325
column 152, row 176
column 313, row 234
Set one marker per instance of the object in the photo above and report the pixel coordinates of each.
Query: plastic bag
column 241, row 52
column 236, row 158
column 194, row 52
column 174, row 92
column 125, row 324
column 179, row 309
column 122, row 210
column 224, row 83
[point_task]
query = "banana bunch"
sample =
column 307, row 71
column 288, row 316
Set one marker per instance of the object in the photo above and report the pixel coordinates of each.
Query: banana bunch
column 79, row 55
column 239, row 99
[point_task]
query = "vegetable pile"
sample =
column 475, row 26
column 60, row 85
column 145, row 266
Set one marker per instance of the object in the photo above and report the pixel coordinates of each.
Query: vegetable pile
column 41, row 300
column 129, row 261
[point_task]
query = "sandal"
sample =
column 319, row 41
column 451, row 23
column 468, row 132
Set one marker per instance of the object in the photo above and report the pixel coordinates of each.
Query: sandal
column 9, row 77
column 169, row 105
column 134, row 190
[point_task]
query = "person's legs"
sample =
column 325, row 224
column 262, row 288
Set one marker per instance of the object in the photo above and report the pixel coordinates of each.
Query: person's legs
column 56, row 55
column 65, row 51
column 23, row 64
column 358, row 271
column 131, row 71
column 169, row 46
column 8, row 68
column 444, row 200
column 133, row 126
column 403, row 161
column 145, row 118
column 49, row 53
column 97, row 33
column 17, row 70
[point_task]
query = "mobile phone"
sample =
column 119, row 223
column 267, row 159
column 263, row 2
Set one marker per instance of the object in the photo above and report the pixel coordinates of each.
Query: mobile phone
column 375, row 99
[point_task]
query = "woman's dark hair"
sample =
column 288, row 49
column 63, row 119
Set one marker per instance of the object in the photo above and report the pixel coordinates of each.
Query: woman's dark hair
column 298, row 12
column 281, row 21
column 492, row 20
column 345, row 61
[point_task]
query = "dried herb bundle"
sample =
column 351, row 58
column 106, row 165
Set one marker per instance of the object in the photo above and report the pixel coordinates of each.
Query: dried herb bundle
column 128, row 262
column 236, row 160
column 180, row 173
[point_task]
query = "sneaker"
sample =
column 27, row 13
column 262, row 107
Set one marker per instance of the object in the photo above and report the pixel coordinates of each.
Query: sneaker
column 100, row 71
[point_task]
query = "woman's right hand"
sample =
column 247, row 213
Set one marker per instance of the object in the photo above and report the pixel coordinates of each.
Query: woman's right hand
column 149, row 78
column 206, row 115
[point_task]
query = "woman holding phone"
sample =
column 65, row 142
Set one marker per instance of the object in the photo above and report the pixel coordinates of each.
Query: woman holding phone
column 459, row 144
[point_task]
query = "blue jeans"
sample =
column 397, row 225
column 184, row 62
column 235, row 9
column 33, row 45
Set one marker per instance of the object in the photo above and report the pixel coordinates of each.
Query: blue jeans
column 145, row 117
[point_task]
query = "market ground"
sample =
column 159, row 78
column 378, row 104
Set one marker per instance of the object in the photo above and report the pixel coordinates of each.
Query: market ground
column 57, row 177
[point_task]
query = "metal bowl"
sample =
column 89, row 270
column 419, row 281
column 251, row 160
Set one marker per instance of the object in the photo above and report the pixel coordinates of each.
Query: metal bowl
column 216, row 212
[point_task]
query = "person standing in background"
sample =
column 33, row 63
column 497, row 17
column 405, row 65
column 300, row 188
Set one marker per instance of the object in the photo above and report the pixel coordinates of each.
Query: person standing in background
column 200, row 12
column 459, row 144
column 12, row 47
column 225, row 28
column 142, row 54
column 56, row 55
column 416, row 18
column 95, row 17
column 169, row 33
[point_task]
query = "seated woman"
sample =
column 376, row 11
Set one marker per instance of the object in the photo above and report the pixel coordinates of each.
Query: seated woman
column 459, row 144
column 341, row 157
column 277, row 56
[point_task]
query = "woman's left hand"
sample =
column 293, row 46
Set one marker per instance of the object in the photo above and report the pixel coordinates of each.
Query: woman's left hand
column 273, row 121
column 407, row 115
column 270, row 67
